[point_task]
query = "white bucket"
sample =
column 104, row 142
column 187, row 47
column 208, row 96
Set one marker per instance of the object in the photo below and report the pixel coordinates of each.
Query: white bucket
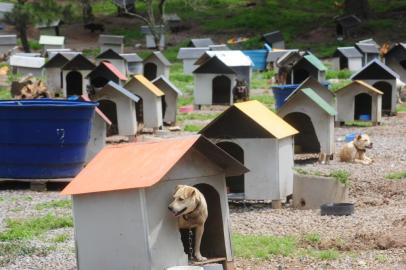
column 213, row 266
column 185, row 268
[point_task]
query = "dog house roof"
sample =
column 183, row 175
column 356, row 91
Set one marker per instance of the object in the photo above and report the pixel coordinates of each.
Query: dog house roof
column 131, row 57
column 315, row 62
column 307, row 84
column 79, row 62
column 348, row 52
column 312, row 95
column 362, row 84
column 51, row 40
column 98, row 111
column 109, row 54
column 112, row 86
column 111, row 39
column 375, row 70
column 367, row 47
column 149, row 85
column 396, row 47
column 275, row 54
column 164, row 80
column 144, row 164
column 229, row 58
column 253, row 111
column 272, row 37
column 200, row 42
column 26, row 61
column 191, row 53
column 8, row 39
column 57, row 61
column 160, row 57
column 110, row 67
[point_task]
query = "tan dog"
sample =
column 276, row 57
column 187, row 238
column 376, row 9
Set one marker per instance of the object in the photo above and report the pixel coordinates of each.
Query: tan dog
column 190, row 207
column 355, row 151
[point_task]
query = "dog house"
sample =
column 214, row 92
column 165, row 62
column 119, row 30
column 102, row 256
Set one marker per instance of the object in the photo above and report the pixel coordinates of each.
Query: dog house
column 104, row 73
column 189, row 57
column 50, row 27
column 114, row 42
column 149, row 37
column 74, row 75
column 308, row 66
column 346, row 26
column 348, row 58
column 119, row 105
column 260, row 140
column 274, row 55
column 216, row 76
column 7, row 43
column 26, row 65
column 274, row 39
column 395, row 59
column 5, row 8
column 383, row 78
column 169, row 100
column 52, row 42
column 359, row 101
column 369, row 51
column 200, row 42
column 53, row 71
column 313, row 117
column 121, row 216
column 149, row 108
column 320, row 89
column 156, row 65
column 116, row 59
column 133, row 63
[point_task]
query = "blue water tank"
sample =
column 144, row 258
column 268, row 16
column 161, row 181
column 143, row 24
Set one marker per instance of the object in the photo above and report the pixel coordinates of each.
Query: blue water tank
column 258, row 57
column 44, row 138
column 281, row 92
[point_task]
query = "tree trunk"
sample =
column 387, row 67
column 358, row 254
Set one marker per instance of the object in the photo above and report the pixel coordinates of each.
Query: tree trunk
column 87, row 12
column 24, row 39
column 358, row 7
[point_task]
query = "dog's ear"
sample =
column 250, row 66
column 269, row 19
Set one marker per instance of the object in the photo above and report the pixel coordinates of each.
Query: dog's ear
column 178, row 187
column 191, row 192
column 359, row 136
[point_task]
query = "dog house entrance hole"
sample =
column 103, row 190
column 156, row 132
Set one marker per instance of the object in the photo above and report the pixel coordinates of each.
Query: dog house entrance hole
column 235, row 184
column 109, row 108
column 150, row 71
column 306, row 141
column 74, row 84
column 99, row 81
column 221, row 87
column 403, row 64
column 386, row 88
column 343, row 62
column 164, row 105
column 362, row 105
column 339, row 31
column 213, row 243
column 299, row 75
column 139, row 111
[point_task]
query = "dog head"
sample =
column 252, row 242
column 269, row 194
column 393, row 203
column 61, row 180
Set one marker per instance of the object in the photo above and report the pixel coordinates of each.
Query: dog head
column 185, row 200
column 362, row 141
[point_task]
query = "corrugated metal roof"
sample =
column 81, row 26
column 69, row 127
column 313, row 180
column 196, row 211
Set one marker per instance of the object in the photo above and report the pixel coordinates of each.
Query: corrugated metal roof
column 201, row 42
column 8, row 40
column 144, row 164
column 319, row 101
column 315, row 62
column 160, row 56
column 162, row 79
column 231, row 58
column 148, row 85
column 367, row 48
column 362, row 84
column 131, row 57
column 111, row 39
column 51, row 40
column 112, row 86
column 377, row 63
column 191, row 53
column 98, row 111
column 26, row 61
column 349, row 52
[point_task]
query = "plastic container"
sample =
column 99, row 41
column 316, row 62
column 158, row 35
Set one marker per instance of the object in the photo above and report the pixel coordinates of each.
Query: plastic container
column 337, row 209
column 258, row 57
column 364, row 117
column 351, row 136
column 281, row 92
column 44, row 138
column 213, row 266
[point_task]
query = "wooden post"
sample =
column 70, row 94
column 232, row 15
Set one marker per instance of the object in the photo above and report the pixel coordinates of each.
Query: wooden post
column 276, row 204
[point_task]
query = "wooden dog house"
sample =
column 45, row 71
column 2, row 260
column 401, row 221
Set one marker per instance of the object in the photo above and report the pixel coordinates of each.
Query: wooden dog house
column 155, row 65
column 74, row 74
column 313, row 117
column 308, row 66
column 121, row 215
column 382, row 78
column 119, row 105
column 358, row 99
column 348, row 58
column 395, row 59
column 169, row 100
column 149, row 109
column 263, row 142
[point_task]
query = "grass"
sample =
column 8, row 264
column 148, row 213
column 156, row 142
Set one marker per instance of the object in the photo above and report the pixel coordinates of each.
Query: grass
column 312, row 238
column 5, row 93
column 104, row 7
column 401, row 108
column 335, row 86
column 260, row 80
column 60, row 238
column 9, row 251
column 192, row 128
column 396, row 175
column 18, row 229
column 340, row 175
column 54, row 204
column 196, row 116
column 267, row 100
column 329, row 254
column 91, row 52
column 338, row 74
column 357, row 123
column 381, row 258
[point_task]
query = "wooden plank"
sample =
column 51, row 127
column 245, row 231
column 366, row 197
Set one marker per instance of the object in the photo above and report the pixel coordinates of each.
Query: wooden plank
column 208, row 261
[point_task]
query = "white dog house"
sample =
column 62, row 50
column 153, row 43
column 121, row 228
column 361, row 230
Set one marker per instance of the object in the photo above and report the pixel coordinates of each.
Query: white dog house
column 308, row 66
column 156, row 65
column 348, row 58
column 313, row 117
column 320, row 90
column 7, row 43
column 358, row 100
column 52, row 42
column 189, row 57
column 119, row 105
column 134, row 64
column 121, row 216
column 26, row 65
column 74, row 74
column 384, row 79
column 53, row 72
column 216, row 76
column 169, row 100
column 263, row 142
column 369, row 51
column 149, row 108
column 114, row 58
column 116, row 43
column 104, row 73
column 395, row 59
column 149, row 38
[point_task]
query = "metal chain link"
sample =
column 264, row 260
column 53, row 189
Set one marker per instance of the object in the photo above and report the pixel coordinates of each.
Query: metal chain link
column 190, row 244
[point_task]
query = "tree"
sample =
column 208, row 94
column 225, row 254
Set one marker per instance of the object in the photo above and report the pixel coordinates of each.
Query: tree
column 26, row 13
column 357, row 7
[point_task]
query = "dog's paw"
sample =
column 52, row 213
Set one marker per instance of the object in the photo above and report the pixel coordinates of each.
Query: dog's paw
column 200, row 258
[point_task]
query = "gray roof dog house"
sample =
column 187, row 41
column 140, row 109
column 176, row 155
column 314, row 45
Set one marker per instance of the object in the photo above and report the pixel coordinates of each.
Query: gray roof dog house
column 26, row 65
column 200, row 42
column 274, row 39
column 313, row 117
column 155, row 65
column 169, row 100
column 308, row 65
column 149, row 38
column 149, row 108
column 358, row 100
column 134, row 64
column 348, row 58
column 104, row 73
column 368, row 49
column 320, row 89
column 114, row 58
column 53, row 71
column 7, row 43
column 121, row 216
column 189, row 57
column 273, row 57
column 395, row 59
column 74, row 75
column 114, row 42
column 384, row 79
column 52, row 42
column 346, row 25
column 263, row 142
column 216, row 76
column 119, row 105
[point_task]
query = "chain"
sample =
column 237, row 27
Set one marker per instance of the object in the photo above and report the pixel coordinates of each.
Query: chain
column 190, row 244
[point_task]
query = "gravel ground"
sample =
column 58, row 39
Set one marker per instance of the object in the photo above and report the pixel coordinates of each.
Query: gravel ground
column 380, row 203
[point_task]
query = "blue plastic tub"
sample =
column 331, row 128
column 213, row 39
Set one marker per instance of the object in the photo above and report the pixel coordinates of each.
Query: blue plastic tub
column 281, row 92
column 364, row 117
column 44, row 138
column 258, row 57
column 351, row 136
